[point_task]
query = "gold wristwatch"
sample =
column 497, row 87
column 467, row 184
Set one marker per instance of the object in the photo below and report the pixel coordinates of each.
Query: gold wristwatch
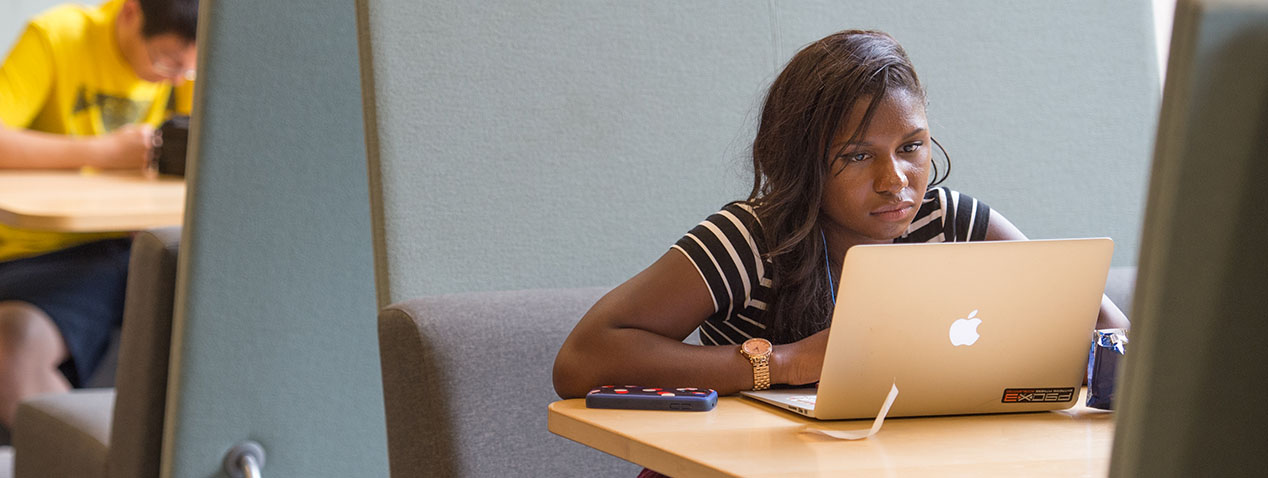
column 758, row 351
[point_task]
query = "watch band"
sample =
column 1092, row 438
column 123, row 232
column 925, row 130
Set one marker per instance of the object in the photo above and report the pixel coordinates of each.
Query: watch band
column 761, row 372
column 758, row 352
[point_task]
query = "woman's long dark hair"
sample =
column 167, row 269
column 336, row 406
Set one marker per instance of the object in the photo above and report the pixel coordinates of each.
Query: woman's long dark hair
column 804, row 109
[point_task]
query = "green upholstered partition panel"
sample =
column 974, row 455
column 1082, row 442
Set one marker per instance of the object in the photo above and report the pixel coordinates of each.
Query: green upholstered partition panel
column 571, row 143
column 1188, row 402
column 274, row 335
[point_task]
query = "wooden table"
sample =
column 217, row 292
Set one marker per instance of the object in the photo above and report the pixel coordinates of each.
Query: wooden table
column 71, row 201
column 744, row 438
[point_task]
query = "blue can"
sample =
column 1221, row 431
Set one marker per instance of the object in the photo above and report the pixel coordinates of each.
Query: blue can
column 1108, row 348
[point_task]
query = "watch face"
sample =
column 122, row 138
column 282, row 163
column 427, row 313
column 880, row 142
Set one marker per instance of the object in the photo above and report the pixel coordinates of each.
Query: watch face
column 756, row 347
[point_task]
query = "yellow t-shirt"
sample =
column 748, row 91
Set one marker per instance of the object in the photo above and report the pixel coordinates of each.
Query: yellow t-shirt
column 66, row 75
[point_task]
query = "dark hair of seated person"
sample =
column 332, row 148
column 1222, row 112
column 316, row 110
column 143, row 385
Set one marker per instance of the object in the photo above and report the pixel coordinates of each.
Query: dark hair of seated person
column 179, row 17
column 804, row 108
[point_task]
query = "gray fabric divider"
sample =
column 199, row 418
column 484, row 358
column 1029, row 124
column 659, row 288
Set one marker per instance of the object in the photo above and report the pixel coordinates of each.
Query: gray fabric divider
column 579, row 139
column 467, row 378
column 1187, row 404
column 274, row 339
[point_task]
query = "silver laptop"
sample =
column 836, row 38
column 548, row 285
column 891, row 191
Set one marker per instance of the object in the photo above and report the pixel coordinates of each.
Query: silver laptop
column 959, row 328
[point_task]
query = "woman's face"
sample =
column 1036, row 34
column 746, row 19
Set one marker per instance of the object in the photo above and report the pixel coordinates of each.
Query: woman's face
column 875, row 184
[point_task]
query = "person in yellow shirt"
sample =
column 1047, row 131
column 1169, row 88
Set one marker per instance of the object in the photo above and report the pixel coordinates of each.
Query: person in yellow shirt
column 84, row 86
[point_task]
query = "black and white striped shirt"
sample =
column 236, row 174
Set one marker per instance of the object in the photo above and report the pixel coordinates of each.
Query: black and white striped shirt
column 727, row 251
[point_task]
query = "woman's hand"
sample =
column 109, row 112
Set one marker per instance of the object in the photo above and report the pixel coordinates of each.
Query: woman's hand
column 800, row 362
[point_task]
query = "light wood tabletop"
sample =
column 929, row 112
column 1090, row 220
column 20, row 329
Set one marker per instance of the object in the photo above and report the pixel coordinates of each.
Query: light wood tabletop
column 741, row 437
column 74, row 201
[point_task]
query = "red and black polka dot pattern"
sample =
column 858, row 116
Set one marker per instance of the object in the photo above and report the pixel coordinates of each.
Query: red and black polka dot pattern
column 652, row 398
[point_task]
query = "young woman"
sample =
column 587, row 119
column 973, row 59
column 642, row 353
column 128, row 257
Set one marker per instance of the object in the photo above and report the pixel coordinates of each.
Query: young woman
column 843, row 156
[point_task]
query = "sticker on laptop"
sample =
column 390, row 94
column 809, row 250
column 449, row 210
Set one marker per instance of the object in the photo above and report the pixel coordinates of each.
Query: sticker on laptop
column 1037, row 395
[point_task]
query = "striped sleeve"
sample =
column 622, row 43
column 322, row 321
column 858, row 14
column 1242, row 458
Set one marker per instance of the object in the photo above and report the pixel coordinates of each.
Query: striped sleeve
column 948, row 216
column 725, row 252
column 964, row 217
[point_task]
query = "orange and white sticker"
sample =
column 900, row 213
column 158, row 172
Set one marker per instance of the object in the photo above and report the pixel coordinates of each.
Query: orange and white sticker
column 1037, row 395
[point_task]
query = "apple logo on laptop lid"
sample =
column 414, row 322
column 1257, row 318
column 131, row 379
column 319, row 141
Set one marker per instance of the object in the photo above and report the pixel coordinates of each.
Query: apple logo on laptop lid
column 964, row 331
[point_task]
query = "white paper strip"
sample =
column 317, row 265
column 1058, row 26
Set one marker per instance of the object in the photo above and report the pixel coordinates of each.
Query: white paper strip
column 861, row 434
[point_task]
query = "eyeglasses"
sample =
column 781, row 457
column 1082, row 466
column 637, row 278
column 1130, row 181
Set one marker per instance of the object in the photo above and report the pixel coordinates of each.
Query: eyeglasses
column 168, row 65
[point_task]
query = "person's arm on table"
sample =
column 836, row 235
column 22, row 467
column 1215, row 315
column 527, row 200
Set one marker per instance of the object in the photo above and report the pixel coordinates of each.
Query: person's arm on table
column 633, row 336
column 126, row 147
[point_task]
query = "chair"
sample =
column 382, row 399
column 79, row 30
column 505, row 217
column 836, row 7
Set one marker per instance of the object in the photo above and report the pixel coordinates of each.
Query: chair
column 467, row 377
column 105, row 375
column 466, row 382
column 112, row 432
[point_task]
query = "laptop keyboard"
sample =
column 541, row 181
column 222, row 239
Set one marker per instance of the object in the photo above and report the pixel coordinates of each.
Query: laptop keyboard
column 806, row 399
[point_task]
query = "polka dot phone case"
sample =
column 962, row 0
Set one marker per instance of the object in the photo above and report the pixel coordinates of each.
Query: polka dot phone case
column 652, row 398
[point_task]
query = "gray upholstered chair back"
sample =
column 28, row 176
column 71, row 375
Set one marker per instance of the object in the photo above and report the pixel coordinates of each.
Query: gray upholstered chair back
column 1119, row 287
column 141, row 381
column 466, row 382
column 467, row 377
column 92, row 433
